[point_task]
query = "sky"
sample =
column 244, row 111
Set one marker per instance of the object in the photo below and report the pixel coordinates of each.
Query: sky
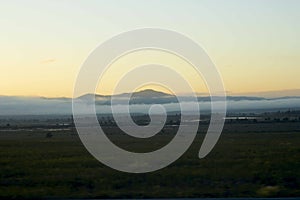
column 255, row 44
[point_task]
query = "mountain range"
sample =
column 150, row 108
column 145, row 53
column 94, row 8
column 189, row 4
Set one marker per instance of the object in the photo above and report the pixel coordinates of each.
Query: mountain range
column 141, row 100
column 155, row 97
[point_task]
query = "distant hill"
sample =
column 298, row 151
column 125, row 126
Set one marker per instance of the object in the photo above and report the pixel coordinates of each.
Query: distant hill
column 141, row 100
column 155, row 97
column 143, row 93
column 151, row 94
column 141, row 97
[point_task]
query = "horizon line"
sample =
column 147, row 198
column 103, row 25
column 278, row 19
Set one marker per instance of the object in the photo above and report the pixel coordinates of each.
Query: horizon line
column 228, row 93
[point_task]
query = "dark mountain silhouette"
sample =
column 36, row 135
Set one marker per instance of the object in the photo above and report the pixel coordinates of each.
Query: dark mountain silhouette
column 18, row 105
column 151, row 94
column 146, row 97
column 155, row 97
column 143, row 93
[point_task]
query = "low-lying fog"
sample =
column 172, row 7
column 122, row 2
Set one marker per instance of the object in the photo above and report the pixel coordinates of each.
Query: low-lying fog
column 41, row 106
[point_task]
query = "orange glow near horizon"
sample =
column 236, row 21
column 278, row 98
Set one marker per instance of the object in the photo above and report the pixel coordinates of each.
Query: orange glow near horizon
column 42, row 50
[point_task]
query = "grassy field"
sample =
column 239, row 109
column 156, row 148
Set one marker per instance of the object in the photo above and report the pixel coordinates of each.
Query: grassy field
column 241, row 165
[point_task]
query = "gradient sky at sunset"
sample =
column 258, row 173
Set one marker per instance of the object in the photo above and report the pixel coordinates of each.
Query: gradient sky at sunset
column 254, row 43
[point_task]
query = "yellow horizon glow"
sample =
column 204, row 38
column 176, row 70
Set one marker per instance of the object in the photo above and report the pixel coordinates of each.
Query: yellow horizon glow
column 42, row 47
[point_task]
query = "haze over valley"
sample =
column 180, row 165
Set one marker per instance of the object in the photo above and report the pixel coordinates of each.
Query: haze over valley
column 141, row 101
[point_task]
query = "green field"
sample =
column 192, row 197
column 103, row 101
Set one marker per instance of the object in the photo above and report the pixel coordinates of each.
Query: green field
column 241, row 165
